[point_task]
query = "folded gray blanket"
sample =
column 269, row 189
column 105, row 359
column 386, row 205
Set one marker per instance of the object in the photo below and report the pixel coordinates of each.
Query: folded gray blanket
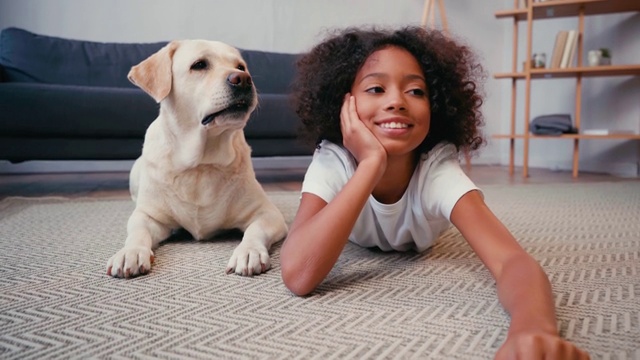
column 555, row 124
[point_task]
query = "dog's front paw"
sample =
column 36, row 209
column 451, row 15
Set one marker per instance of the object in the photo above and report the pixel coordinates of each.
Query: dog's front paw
column 130, row 261
column 248, row 260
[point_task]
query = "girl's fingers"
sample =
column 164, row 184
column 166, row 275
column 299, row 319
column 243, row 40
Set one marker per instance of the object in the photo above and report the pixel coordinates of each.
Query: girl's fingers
column 345, row 120
column 352, row 108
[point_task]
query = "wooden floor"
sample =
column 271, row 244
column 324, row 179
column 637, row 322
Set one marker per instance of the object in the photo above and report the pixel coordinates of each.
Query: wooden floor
column 115, row 184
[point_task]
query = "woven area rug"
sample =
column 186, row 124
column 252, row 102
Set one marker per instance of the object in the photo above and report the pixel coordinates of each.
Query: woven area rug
column 57, row 302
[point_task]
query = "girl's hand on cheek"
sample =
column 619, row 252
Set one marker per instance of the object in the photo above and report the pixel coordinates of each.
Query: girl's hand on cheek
column 356, row 137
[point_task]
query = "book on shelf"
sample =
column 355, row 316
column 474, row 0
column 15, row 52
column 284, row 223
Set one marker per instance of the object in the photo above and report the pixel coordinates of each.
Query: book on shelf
column 606, row 132
column 568, row 54
column 558, row 49
column 573, row 50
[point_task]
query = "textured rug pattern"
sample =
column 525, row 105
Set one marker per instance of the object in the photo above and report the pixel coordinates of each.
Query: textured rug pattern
column 57, row 302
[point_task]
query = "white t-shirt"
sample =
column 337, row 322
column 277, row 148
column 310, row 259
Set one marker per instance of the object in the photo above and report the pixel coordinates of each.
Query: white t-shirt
column 417, row 219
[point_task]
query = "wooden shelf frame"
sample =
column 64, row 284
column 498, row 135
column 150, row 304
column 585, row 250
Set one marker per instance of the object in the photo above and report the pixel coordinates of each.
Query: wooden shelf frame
column 571, row 136
column 553, row 9
column 584, row 71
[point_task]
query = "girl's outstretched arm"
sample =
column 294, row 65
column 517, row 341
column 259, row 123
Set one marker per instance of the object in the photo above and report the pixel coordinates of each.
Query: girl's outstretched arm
column 320, row 231
column 523, row 287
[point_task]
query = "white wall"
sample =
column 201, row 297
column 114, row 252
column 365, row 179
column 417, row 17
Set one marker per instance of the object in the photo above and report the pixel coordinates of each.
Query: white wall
column 296, row 25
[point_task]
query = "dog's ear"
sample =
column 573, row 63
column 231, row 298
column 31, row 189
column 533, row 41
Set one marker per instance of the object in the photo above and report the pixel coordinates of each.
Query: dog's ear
column 153, row 75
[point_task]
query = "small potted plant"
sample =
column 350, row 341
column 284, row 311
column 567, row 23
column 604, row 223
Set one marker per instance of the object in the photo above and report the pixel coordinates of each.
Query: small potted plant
column 605, row 56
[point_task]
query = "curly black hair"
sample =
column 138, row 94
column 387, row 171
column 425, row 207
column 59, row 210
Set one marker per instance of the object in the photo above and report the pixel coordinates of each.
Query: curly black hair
column 327, row 72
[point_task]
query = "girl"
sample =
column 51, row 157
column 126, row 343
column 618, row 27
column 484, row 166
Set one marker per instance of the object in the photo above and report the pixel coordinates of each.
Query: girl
column 391, row 110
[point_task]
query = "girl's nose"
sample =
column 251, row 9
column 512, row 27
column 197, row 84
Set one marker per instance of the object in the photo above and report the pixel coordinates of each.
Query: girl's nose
column 396, row 101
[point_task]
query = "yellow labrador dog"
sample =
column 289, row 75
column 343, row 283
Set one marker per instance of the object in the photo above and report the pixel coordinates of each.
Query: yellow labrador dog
column 195, row 170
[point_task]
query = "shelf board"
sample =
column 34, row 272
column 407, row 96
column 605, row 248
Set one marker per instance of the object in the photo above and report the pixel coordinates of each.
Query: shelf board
column 584, row 71
column 551, row 9
column 519, row 14
column 508, row 76
column 571, row 136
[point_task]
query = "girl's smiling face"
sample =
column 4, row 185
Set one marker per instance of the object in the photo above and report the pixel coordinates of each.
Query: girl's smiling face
column 392, row 99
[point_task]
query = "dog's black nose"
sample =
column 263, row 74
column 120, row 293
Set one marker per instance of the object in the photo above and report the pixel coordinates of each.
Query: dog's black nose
column 240, row 79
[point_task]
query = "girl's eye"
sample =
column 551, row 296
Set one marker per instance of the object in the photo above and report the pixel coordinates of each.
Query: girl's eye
column 418, row 92
column 375, row 89
column 199, row 65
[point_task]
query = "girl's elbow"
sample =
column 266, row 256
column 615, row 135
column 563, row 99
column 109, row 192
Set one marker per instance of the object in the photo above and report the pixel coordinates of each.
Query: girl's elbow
column 294, row 279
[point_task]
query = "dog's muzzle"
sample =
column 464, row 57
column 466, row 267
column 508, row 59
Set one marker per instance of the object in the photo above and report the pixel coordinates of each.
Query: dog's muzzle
column 242, row 94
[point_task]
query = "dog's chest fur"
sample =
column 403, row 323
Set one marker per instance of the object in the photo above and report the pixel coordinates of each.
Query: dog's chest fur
column 201, row 199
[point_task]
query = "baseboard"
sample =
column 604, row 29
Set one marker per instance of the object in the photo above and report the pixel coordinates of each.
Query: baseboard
column 300, row 162
column 487, row 160
column 619, row 169
column 64, row 166
column 281, row 162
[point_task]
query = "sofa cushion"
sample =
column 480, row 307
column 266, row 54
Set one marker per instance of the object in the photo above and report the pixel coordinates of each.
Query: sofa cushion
column 271, row 72
column 279, row 147
column 29, row 57
column 45, row 111
column 79, row 111
column 17, row 149
column 32, row 58
column 274, row 117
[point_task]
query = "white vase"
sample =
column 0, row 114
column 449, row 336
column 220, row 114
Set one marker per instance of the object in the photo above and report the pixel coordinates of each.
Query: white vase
column 594, row 57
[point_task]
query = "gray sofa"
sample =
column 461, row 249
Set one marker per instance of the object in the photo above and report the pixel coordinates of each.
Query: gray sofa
column 64, row 99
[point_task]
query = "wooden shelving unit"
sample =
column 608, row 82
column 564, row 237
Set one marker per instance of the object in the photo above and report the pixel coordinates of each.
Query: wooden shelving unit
column 591, row 71
column 552, row 9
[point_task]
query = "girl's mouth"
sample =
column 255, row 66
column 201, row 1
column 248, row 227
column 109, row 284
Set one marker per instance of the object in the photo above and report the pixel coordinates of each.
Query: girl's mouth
column 394, row 125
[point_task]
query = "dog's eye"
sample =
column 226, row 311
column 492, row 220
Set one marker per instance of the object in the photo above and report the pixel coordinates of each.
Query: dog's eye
column 199, row 65
column 241, row 67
